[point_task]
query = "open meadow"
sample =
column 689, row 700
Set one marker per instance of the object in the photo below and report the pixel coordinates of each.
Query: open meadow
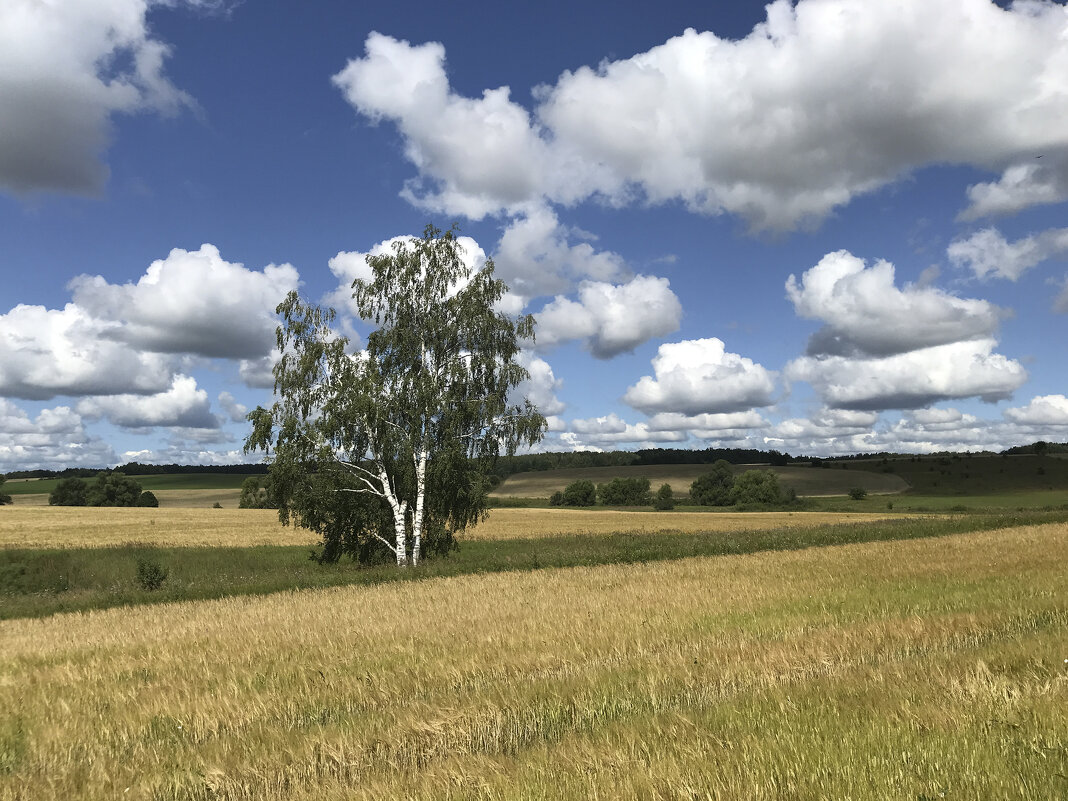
column 803, row 480
column 923, row 668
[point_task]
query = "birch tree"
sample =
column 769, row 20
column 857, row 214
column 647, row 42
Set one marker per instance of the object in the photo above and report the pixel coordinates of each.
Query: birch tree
column 390, row 447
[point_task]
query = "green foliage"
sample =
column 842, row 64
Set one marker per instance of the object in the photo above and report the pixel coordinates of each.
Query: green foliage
column 858, row 493
column 216, row 505
column 113, row 489
column 665, row 498
column 624, row 492
column 4, row 499
column 556, row 499
column 257, row 493
column 69, row 492
column 151, row 574
column 580, row 493
column 147, row 498
column 756, row 487
column 391, row 448
column 715, row 487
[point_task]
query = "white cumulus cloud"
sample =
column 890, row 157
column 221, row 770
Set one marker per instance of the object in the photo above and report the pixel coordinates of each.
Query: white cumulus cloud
column 65, row 69
column 1044, row 410
column 987, row 254
column 184, row 404
column 913, row 379
column 611, row 319
column 55, row 439
column 824, row 101
column 192, row 302
column 866, row 314
column 699, row 376
column 1021, row 186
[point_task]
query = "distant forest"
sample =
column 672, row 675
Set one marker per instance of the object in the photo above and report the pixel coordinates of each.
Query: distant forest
column 508, row 465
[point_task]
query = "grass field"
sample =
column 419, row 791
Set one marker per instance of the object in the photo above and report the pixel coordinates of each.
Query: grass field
column 175, row 481
column 914, row 669
column 964, row 474
column 81, row 527
column 803, row 480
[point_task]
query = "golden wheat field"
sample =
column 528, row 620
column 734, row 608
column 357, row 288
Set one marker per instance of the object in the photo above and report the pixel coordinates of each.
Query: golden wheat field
column 914, row 669
column 80, row 527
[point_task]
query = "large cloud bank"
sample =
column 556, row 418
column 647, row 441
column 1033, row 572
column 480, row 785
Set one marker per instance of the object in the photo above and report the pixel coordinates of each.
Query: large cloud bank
column 771, row 127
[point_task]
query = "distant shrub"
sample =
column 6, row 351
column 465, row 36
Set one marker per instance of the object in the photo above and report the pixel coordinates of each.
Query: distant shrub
column 556, row 499
column 756, row 487
column 151, row 574
column 69, row 492
column 580, row 493
column 665, row 498
column 147, row 498
column 113, row 489
column 858, row 493
column 216, row 505
column 257, row 493
column 624, row 492
column 714, row 488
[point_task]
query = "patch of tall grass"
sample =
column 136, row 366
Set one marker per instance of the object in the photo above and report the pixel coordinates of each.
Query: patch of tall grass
column 37, row 582
column 903, row 669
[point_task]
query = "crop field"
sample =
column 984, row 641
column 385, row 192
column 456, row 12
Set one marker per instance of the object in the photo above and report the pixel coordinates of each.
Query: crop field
column 82, row 527
column 803, row 480
column 916, row 669
column 163, row 481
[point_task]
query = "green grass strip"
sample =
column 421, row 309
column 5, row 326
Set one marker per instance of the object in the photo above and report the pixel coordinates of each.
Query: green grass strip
column 41, row 582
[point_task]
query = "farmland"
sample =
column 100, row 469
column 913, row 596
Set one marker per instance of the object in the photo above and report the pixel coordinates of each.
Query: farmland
column 803, row 480
column 907, row 668
column 852, row 651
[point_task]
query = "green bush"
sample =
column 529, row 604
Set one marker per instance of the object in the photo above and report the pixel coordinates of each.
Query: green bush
column 757, row 487
column 113, row 489
column 69, row 492
column 665, row 498
column 257, row 493
column 580, row 493
column 151, row 574
column 556, row 499
column 624, row 492
column 147, row 498
column 714, row 488
column 858, row 493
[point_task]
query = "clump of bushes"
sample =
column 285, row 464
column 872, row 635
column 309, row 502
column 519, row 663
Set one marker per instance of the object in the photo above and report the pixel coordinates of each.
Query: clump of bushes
column 147, row 498
column 257, row 492
column 665, row 499
column 108, row 489
column 714, row 488
column 624, row 492
column 858, row 493
column 578, row 493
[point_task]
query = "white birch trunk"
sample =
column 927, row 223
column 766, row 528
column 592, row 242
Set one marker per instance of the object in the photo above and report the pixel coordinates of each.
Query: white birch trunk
column 400, row 509
column 420, row 494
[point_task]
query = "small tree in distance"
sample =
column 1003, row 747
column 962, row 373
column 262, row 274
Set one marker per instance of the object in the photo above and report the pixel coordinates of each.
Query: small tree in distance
column 579, row 493
column 4, row 499
column 665, row 499
column 715, row 487
column 757, row 486
column 392, row 445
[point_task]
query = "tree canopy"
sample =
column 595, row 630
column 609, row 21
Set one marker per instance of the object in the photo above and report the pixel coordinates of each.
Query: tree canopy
column 715, row 487
column 389, row 446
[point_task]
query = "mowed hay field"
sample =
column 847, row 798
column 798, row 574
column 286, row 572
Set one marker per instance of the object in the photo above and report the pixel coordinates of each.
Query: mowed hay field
column 912, row 669
column 810, row 481
column 84, row 527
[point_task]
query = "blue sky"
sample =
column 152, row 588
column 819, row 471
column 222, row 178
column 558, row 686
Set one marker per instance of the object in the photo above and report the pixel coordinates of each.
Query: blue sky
column 831, row 226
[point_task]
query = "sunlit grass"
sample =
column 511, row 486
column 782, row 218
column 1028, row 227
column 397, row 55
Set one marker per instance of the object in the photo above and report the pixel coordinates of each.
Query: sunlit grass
column 81, row 527
column 884, row 670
